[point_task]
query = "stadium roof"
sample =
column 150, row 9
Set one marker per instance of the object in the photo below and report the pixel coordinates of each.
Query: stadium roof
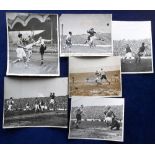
column 25, row 18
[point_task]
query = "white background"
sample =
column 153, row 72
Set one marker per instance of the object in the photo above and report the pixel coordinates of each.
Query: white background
column 77, row 5
column 131, row 30
column 84, row 149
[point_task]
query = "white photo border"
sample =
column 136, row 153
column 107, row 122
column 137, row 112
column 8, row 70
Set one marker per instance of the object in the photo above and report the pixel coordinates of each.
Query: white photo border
column 147, row 72
column 122, row 140
column 120, row 95
column 39, row 126
column 95, row 54
column 34, row 75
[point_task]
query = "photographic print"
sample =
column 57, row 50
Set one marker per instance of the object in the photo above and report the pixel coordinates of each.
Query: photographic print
column 97, row 118
column 33, row 46
column 85, row 34
column 133, row 42
column 95, row 76
column 35, row 102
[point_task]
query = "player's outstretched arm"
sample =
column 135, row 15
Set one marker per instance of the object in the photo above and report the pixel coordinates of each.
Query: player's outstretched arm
column 48, row 41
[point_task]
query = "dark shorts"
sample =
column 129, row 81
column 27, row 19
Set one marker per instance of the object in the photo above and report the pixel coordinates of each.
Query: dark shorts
column 78, row 117
column 103, row 77
column 42, row 49
column 140, row 54
column 68, row 42
column 114, row 124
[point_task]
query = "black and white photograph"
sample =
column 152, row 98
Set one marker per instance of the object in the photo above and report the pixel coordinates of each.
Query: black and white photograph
column 95, row 76
column 97, row 118
column 33, row 46
column 32, row 102
column 85, row 35
column 133, row 42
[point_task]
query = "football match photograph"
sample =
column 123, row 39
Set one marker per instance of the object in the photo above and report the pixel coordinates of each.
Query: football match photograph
column 32, row 44
column 95, row 76
column 32, row 102
column 97, row 118
column 85, row 34
column 133, row 42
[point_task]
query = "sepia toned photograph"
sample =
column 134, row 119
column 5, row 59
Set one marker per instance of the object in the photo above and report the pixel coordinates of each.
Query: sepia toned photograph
column 32, row 102
column 97, row 118
column 85, row 34
column 133, row 42
column 95, row 76
column 33, row 46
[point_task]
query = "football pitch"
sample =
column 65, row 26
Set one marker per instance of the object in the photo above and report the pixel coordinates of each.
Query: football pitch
column 95, row 130
column 48, row 118
column 86, row 49
column 130, row 66
column 82, row 87
column 50, row 65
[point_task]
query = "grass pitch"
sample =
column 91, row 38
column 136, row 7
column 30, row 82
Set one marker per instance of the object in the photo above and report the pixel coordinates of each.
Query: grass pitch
column 95, row 130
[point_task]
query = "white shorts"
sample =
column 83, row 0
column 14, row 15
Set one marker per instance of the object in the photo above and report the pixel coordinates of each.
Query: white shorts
column 27, row 107
column 52, row 101
column 42, row 107
column 97, row 78
column 129, row 55
column 45, row 107
column 92, row 38
column 108, row 120
column 10, row 107
column 37, row 107
column 20, row 53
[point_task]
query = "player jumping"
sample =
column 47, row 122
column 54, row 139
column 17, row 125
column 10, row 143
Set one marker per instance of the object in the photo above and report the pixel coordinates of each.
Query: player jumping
column 52, row 102
column 100, row 75
column 110, row 119
column 91, row 37
column 36, row 104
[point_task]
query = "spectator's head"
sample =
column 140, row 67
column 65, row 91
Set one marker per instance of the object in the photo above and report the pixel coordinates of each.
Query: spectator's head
column 11, row 98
